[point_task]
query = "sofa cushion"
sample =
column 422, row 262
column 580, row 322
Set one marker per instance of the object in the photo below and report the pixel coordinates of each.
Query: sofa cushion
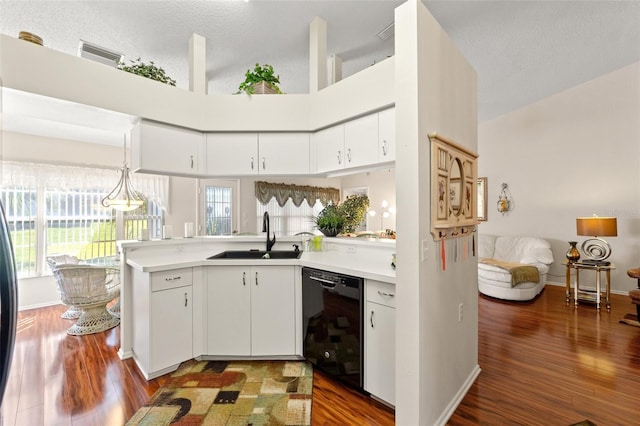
column 486, row 245
column 527, row 250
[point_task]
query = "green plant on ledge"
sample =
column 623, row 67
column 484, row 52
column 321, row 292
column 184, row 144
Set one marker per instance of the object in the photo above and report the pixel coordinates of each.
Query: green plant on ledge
column 149, row 70
column 353, row 209
column 260, row 73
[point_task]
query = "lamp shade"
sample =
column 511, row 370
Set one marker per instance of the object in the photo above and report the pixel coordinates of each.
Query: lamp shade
column 597, row 226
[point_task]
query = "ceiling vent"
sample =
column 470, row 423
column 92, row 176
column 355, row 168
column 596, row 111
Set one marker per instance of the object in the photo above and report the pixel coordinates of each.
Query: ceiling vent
column 99, row 54
column 387, row 32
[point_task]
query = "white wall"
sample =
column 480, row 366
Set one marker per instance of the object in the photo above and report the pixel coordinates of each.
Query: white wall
column 572, row 154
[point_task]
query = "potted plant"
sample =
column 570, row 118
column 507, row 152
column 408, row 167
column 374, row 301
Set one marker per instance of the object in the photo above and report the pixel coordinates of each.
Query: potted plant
column 260, row 80
column 149, row 70
column 353, row 210
column 330, row 221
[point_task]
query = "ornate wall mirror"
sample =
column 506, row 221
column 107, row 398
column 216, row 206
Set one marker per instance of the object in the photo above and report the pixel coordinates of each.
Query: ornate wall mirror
column 454, row 197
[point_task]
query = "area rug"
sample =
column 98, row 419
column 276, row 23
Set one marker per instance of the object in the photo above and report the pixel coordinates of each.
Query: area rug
column 584, row 423
column 631, row 320
column 257, row 393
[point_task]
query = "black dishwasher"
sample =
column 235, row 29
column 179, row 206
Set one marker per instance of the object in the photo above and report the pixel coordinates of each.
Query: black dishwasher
column 332, row 309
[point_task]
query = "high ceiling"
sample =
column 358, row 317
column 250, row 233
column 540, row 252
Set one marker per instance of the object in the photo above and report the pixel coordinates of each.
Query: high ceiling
column 523, row 51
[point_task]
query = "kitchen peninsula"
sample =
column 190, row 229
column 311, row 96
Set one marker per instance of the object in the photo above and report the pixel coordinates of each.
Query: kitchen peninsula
column 177, row 303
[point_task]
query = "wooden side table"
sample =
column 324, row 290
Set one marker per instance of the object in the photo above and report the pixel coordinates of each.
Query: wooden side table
column 587, row 295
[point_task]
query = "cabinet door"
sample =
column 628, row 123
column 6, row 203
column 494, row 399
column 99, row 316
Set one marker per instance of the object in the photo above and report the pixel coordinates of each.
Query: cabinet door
column 361, row 141
column 380, row 359
column 329, row 147
column 387, row 135
column 228, row 310
column 171, row 327
column 166, row 150
column 283, row 153
column 231, row 154
column 273, row 311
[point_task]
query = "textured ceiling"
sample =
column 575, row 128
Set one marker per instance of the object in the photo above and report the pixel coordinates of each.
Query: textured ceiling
column 522, row 51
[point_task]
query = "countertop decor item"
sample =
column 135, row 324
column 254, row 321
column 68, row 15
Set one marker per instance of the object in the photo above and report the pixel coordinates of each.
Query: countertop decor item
column 124, row 197
column 260, row 81
column 150, row 70
column 330, row 221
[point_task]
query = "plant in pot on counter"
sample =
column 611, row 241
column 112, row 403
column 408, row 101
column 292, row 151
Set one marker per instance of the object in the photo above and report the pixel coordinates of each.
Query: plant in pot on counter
column 261, row 73
column 330, row 221
column 354, row 210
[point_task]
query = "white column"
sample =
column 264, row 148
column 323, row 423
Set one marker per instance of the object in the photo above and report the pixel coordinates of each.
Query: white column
column 317, row 55
column 198, row 64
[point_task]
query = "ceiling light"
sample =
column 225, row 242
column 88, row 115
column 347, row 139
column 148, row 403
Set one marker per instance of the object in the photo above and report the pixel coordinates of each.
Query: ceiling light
column 387, row 32
column 124, row 197
column 99, row 54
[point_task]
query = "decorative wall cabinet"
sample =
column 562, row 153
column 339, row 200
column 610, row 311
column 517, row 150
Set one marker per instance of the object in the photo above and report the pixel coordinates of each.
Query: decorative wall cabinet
column 454, row 198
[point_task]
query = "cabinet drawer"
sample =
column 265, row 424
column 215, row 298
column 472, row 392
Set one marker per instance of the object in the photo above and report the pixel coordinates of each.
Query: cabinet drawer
column 382, row 293
column 171, row 279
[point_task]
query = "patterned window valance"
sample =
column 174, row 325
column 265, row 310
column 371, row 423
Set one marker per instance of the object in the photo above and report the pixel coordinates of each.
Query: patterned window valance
column 298, row 193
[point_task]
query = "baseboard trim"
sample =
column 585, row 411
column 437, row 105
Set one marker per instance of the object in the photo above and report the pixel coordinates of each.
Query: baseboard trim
column 37, row 305
column 453, row 404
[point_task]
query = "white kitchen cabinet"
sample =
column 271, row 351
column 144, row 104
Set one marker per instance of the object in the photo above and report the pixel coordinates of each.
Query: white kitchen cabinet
column 163, row 149
column 283, row 153
column 361, row 141
column 387, row 135
column 162, row 335
column 380, row 324
column 251, row 311
column 329, row 147
column 232, row 154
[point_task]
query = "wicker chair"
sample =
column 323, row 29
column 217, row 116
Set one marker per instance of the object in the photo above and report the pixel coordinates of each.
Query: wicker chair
column 89, row 288
column 55, row 261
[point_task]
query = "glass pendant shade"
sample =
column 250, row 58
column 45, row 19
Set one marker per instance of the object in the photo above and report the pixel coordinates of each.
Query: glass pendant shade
column 124, row 197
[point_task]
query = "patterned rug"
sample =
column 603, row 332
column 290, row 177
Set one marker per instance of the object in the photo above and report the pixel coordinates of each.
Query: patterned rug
column 631, row 320
column 584, row 423
column 257, row 393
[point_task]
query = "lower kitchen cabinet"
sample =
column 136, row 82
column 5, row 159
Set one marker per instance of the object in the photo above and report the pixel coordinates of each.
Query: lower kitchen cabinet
column 380, row 348
column 162, row 313
column 251, row 311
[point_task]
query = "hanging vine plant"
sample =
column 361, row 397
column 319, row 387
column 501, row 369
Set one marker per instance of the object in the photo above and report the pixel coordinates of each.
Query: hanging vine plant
column 150, row 70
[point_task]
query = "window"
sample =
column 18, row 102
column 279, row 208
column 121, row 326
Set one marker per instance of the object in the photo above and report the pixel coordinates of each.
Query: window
column 288, row 220
column 55, row 218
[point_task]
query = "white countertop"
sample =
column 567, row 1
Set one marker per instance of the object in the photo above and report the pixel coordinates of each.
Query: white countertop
column 363, row 259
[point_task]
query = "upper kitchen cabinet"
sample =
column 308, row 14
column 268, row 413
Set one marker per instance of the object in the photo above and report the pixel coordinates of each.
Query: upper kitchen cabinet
column 163, row 149
column 233, row 154
column 329, row 147
column 361, row 141
column 387, row 135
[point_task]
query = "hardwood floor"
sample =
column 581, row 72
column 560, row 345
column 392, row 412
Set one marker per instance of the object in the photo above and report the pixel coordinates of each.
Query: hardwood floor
column 542, row 364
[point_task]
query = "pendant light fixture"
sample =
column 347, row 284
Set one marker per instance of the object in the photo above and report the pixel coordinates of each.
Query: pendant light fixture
column 124, row 197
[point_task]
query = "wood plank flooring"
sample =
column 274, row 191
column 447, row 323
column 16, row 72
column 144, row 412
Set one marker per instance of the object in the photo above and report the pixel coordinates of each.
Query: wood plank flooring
column 542, row 364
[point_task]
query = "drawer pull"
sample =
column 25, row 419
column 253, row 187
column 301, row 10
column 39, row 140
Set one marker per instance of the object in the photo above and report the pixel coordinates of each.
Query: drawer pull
column 371, row 320
column 256, row 278
column 186, row 300
column 382, row 293
column 173, row 278
column 244, row 278
column 192, row 161
column 384, row 147
column 349, row 155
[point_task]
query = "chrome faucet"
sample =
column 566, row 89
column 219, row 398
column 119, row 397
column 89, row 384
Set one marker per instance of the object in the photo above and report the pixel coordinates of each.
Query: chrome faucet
column 265, row 228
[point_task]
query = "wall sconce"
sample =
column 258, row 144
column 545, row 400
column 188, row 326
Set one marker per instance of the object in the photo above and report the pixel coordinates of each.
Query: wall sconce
column 596, row 249
column 504, row 203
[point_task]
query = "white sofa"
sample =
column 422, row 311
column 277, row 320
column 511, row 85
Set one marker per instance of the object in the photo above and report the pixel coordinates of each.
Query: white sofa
column 497, row 281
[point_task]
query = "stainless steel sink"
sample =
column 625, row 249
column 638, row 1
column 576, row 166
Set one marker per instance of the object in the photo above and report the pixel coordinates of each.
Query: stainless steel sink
column 257, row 254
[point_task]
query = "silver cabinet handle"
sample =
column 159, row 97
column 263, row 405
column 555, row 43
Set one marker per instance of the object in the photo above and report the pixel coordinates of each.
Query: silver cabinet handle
column 256, row 278
column 382, row 293
column 384, row 147
column 192, row 161
column 371, row 320
column 251, row 163
column 173, row 278
column 186, row 300
column 349, row 155
column 244, row 278
column 264, row 166
column 339, row 157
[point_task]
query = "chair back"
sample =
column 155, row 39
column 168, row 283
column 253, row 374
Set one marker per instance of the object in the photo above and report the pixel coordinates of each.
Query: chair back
column 84, row 285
